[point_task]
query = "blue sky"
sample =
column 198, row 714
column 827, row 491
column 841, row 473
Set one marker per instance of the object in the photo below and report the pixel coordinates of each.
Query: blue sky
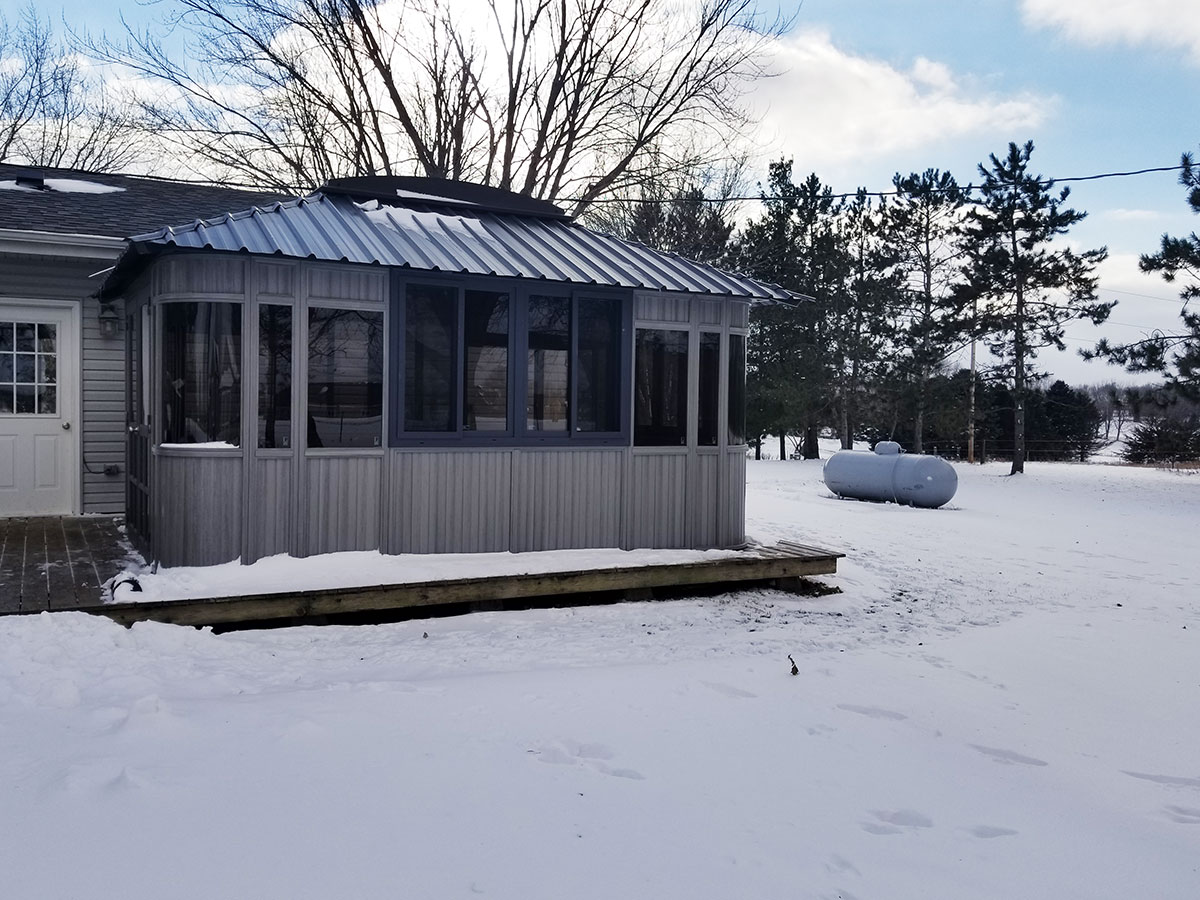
column 866, row 88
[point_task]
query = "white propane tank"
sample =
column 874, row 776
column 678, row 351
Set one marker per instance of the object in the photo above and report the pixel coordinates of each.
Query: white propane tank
column 889, row 474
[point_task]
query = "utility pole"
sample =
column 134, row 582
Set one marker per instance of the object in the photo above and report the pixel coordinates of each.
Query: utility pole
column 971, row 389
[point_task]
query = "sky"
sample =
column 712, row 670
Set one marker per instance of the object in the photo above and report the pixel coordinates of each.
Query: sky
column 866, row 88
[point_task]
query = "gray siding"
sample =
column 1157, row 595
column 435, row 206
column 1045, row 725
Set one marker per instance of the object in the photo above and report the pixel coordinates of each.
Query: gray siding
column 449, row 501
column 343, row 495
column 658, row 500
column 198, row 502
column 703, row 504
column 102, row 369
column 567, row 499
column 270, row 514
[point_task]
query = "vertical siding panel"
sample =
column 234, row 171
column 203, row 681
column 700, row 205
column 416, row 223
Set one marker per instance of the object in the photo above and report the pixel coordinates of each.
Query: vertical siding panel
column 343, row 503
column 659, row 500
column 273, row 499
column 450, row 501
column 703, row 527
column 734, row 527
column 199, row 501
column 567, row 498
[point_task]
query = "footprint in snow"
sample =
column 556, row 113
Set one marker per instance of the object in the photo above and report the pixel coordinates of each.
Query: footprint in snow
column 1008, row 757
column 727, row 689
column 570, row 753
column 905, row 817
column 991, row 831
column 1184, row 815
column 1171, row 780
column 873, row 712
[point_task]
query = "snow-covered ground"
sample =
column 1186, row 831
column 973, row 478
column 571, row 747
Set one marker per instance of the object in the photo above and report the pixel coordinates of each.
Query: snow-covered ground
column 1002, row 703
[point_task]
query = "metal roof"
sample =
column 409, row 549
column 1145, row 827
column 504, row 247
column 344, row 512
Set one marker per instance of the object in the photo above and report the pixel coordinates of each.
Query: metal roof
column 425, row 236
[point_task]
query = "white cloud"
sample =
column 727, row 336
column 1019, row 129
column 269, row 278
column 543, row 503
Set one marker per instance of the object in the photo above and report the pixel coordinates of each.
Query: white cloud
column 1131, row 215
column 1167, row 23
column 828, row 107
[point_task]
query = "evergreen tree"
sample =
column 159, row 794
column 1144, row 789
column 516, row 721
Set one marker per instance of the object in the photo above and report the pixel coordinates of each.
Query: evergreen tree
column 1164, row 440
column 1026, row 288
column 1176, row 355
column 923, row 225
column 688, row 223
column 794, row 244
column 861, row 312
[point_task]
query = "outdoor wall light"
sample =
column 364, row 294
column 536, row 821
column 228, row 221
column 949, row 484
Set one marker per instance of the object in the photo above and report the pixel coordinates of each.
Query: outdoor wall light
column 109, row 320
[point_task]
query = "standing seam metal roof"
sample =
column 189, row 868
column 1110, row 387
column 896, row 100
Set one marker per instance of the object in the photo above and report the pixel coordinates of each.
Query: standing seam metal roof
column 423, row 236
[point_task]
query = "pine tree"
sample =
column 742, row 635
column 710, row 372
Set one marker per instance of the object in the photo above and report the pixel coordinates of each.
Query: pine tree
column 1027, row 288
column 923, row 224
column 1177, row 354
column 794, row 244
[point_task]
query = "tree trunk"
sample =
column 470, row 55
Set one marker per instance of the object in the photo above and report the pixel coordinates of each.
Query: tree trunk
column 783, row 454
column 1018, row 460
column 812, row 450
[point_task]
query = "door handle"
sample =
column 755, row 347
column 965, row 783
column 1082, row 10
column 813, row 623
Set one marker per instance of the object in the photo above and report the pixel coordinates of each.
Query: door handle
column 66, row 426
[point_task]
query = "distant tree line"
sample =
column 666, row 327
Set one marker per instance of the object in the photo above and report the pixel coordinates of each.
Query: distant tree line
column 900, row 286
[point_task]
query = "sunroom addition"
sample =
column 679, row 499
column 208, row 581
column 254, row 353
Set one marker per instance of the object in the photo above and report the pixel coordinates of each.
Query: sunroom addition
column 462, row 372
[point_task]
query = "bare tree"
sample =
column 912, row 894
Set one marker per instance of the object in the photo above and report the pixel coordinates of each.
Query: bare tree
column 559, row 99
column 54, row 111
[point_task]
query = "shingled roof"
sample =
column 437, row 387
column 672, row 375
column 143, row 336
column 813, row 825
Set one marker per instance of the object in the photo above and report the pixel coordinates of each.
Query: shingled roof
column 68, row 201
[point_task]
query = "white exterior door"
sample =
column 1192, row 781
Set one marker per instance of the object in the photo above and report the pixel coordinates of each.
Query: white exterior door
column 39, row 375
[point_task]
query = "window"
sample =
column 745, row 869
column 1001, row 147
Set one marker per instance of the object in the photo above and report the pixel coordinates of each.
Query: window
column 485, row 377
column 737, row 389
column 202, row 373
column 598, row 366
column 489, row 366
column 28, row 368
column 708, row 417
column 661, row 376
column 429, row 384
column 274, row 376
column 345, row 378
column 547, row 363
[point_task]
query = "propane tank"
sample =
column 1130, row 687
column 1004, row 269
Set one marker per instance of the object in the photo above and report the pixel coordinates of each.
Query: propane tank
column 890, row 474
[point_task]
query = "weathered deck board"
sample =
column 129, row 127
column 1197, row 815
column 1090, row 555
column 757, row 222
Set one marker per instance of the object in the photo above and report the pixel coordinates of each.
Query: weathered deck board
column 12, row 564
column 301, row 604
column 61, row 563
column 58, row 562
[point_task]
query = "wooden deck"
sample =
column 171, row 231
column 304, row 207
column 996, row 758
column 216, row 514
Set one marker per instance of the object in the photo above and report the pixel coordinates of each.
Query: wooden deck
column 60, row 564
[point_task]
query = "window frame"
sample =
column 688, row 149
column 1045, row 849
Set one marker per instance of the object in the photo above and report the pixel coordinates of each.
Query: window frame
column 517, row 433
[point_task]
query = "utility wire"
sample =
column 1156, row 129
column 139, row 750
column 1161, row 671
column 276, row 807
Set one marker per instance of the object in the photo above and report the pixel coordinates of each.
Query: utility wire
column 1044, row 182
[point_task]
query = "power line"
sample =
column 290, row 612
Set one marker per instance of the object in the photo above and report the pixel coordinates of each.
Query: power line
column 1043, row 182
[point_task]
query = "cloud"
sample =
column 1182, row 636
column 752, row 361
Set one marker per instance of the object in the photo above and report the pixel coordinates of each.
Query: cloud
column 828, row 107
column 1131, row 215
column 1166, row 23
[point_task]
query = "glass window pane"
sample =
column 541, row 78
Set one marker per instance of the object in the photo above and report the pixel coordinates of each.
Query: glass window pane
column 6, row 336
column 708, row 419
column 345, row 378
column 25, row 368
column 430, row 316
column 25, row 336
column 660, row 388
column 485, row 382
column 547, row 369
column 6, row 398
column 25, row 398
column 597, row 368
column 47, row 400
column 47, row 369
column 202, row 373
column 47, row 338
column 274, row 376
column 737, row 389
column 6, row 367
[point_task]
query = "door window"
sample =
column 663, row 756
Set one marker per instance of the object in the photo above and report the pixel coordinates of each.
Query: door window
column 28, row 368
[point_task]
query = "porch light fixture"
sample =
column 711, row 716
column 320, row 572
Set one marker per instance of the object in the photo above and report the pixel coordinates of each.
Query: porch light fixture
column 109, row 320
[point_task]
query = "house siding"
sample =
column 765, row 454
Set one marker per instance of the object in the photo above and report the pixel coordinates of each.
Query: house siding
column 102, row 369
